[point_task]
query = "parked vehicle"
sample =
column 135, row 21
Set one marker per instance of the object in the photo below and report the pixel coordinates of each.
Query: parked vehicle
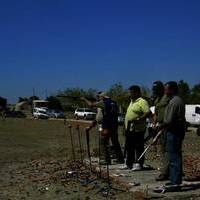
column 85, row 113
column 56, row 114
column 192, row 114
column 40, row 104
column 40, row 113
column 121, row 118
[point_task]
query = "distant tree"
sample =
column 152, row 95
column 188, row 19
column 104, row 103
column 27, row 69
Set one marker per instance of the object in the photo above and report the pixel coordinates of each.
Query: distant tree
column 184, row 91
column 32, row 98
column 195, row 94
column 54, row 103
column 74, row 92
column 120, row 95
column 3, row 103
column 21, row 99
column 70, row 97
column 91, row 93
column 146, row 92
column 116, row 90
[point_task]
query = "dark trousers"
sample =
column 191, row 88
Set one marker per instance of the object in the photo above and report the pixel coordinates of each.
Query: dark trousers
column 174, row 149
column 134, row 147
column 105, row 145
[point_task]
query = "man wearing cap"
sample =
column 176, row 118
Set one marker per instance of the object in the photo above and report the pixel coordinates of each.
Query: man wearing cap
column 135, row 125
column 107, row 118
column 161, row 101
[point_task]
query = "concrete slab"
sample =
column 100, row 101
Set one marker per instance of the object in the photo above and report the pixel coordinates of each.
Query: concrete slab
column 143, row 183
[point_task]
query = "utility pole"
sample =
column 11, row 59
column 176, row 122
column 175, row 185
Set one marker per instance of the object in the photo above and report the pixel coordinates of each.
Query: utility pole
column 46, row 94
column 33, row 91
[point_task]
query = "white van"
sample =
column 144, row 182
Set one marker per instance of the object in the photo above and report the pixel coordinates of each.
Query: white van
column 192, row 114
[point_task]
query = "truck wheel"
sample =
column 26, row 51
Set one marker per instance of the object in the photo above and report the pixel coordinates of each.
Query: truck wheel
column 85, row 117
column 198, row 131
column 76, row 117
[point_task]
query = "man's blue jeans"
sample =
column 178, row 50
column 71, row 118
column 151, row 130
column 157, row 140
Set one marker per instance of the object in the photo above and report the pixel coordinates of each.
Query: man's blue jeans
column 174, row 149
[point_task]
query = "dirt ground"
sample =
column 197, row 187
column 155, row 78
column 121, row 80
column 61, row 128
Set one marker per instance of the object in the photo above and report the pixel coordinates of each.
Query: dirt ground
column 36, row 162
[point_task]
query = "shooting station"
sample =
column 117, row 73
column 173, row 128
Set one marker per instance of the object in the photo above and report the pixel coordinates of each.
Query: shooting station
column 141, row 184
column 60, row 158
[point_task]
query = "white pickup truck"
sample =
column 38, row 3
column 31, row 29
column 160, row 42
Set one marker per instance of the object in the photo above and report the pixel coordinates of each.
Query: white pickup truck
column 40, row 113
column 84, row 113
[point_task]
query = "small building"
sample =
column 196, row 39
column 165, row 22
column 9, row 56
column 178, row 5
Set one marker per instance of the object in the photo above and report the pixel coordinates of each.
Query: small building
column 40, row 104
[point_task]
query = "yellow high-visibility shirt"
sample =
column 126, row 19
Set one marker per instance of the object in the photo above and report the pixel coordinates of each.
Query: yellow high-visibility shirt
column 135, row 110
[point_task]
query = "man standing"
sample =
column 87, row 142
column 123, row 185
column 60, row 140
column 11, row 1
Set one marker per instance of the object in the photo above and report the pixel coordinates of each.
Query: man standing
column 135, row 124
column 107, row 118
column 160, row 102
column 174, row 124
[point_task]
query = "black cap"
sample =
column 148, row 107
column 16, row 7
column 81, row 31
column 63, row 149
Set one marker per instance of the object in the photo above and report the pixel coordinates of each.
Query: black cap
column 158, row 88
column 173, row 86
column 135, row 88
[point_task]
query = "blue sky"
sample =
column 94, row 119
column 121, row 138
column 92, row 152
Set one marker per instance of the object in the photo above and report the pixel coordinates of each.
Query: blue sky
column 54, row 44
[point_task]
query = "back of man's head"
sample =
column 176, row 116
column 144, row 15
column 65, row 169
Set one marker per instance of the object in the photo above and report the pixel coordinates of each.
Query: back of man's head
column 173, row 86
column 135, row 89
column 158, row 88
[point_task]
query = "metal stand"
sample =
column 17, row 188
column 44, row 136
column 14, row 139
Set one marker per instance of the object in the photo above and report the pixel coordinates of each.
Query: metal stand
column 87, row 130
column 80, row 143
column 106, row 190
column 72, row 142
column 99, row 131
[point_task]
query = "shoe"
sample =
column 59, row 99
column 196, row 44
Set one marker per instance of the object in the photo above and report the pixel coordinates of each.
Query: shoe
column 104, row 162
column 159, row 189
column 162, row 177
column 169, row 187
column 147, row 167
column 124, row 167
column 168, row 184
column 136, row 167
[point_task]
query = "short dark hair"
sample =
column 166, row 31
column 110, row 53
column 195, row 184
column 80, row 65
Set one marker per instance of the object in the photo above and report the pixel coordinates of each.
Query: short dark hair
column 158, row 87
column 135, row 88
column 173, row 86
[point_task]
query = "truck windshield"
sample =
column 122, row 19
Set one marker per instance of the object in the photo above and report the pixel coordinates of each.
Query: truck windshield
column 197, row 110
column 43, row 112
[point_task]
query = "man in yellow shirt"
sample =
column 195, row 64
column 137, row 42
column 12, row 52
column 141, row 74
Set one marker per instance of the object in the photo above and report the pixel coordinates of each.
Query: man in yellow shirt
column 135, row 124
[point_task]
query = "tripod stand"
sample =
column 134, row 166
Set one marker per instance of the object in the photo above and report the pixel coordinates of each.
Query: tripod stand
column 106, row 190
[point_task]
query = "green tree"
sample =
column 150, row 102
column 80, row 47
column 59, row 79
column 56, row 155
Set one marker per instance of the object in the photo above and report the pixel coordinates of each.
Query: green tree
column 120, row 95
column 195, row 94
column 70, row 97
column 184, row 91
column 21, row 99
column 3, row 103
column 54, row 103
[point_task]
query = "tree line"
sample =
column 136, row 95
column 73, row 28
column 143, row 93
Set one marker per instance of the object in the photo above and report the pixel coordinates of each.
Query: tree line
column 190, row 95
column 69, row 98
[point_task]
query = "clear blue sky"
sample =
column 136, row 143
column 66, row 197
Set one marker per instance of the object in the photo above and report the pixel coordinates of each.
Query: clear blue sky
column 54, row 44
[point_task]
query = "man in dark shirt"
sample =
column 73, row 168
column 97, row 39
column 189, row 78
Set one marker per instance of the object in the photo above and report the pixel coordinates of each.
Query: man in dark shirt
column 107, row 118
column 174, row 124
